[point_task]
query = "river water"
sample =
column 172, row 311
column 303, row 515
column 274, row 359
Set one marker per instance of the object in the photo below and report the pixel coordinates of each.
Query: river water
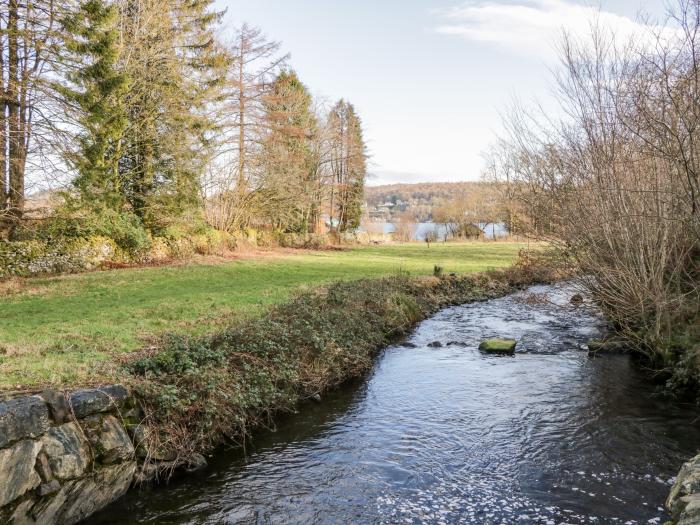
column 445, row 435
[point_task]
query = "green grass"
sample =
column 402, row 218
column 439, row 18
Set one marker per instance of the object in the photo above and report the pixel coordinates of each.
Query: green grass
column 72, row 329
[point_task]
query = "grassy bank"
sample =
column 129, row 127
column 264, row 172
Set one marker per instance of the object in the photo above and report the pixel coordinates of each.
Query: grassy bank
column 74, row 329
column 198, row 392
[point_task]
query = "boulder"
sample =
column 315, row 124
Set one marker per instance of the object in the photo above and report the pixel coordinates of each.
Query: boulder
column 67, row 451
column 84, row 403
column 25, row 417
column 17, row 474
column 195, row 463
column 498, row 346
column 58, row 405
column 435, row 344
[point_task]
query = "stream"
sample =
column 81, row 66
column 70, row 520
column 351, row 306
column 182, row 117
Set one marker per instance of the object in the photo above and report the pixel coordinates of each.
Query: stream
column 446, row 434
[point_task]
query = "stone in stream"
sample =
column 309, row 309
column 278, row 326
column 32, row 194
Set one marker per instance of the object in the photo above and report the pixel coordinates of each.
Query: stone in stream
column 576, row 300
column 498, row 346
column 435, row 344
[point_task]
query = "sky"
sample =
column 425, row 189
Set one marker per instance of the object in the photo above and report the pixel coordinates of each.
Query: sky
column 430, row 78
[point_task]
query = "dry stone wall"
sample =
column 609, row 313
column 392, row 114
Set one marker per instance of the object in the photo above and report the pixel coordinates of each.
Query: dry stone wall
column 64, row 456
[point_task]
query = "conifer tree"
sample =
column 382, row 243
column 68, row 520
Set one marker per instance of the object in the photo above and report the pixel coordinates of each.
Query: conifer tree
column 97, row 89
column 287, row 155
column 178, row 69
column 348, row 162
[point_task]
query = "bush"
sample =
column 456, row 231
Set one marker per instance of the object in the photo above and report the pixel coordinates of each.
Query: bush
column 125, row 229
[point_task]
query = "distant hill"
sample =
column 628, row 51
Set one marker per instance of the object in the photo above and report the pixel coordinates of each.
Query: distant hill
column 420, row 199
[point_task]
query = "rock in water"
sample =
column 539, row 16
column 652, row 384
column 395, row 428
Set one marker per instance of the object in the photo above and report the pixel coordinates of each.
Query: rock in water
column 577, row 299
column 498, row 346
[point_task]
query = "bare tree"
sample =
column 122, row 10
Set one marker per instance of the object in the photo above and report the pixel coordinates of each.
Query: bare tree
column 233, row 185
column 29, row 43
column 614, row 183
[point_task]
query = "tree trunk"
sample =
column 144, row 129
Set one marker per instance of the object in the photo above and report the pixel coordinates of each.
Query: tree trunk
column 17, row 153
column 3, row 130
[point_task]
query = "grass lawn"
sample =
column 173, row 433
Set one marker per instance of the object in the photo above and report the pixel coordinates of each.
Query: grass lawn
column 68, row 330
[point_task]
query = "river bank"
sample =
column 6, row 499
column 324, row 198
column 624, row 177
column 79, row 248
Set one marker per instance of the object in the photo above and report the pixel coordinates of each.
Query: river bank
column 441, row 432
column 192, row 394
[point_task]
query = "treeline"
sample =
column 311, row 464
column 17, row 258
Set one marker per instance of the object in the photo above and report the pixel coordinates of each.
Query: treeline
column 615, row 181
column 153, row 124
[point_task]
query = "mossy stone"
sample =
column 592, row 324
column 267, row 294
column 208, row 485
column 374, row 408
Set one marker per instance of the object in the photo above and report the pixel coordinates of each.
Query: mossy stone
column 499, row 346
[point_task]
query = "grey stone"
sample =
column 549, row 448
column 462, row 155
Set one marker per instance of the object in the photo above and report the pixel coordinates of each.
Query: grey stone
column 67, row 450
column 682, row 498
column 195, row 463
column 77, row 499
column 139, row 436
column 43, row 468
column 17, row 470
column 58, row 405
column 605, row 346
column 22, row 418
column 689, row 507
column 46, row 489
column 109, row 439
column 149, row 471
column 84, row 403
column 435, row 344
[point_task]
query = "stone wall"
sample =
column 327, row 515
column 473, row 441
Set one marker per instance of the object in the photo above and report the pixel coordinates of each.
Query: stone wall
column 64, row 456
column 684, row 500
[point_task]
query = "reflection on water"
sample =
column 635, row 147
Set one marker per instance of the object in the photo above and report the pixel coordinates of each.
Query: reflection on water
column 449, row 435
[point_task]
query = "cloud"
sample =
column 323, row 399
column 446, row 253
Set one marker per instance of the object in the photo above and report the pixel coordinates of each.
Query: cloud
column 530, row 27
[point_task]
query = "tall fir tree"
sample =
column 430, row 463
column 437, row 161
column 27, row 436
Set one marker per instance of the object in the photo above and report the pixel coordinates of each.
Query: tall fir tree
column 348, row 164
column 287, row 155
column 179, row 73
column 98, row 90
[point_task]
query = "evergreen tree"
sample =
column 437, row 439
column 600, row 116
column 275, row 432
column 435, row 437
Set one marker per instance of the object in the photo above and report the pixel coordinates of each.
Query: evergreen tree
column 98, row 90
column 287, row 155
column 348, row 161
column 179, row 72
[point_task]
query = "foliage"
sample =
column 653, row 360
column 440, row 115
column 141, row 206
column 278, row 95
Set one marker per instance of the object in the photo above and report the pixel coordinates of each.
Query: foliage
column 72, row 221
column 98, row 89
column 287, row 155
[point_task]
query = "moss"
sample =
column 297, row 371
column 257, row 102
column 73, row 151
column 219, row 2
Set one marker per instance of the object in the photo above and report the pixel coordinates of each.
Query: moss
column 500, row 346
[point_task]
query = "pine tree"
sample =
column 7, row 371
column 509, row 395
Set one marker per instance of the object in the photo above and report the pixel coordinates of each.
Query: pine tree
column 179, row 71
column 287, row 155
column 348, row 161
column 98, row 90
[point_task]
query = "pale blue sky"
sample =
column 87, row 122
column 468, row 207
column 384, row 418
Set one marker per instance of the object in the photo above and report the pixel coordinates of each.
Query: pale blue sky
column 428, row 77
